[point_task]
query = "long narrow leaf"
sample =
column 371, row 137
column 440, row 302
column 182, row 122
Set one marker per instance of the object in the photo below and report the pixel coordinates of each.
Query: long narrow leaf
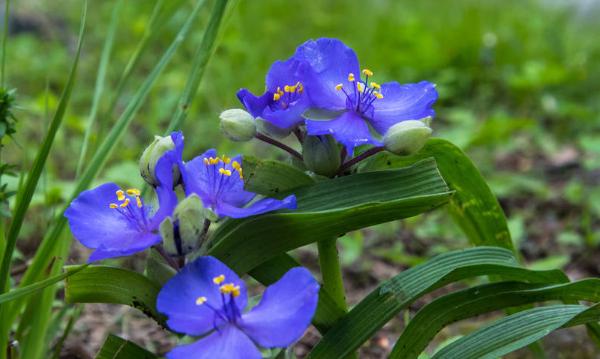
column 34, row 288
column 483, row 299
column 518, row 330
column 118, row 348
column 396, row 294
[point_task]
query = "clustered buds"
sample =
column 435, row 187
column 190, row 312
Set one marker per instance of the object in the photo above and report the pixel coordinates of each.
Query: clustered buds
column 182, row 232
column 321, row 155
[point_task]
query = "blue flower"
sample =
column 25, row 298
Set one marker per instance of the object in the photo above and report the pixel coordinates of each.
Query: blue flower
column 284, row 100
column 117, row 222
column 219, row 182
column 208, row 299
column 335, row 84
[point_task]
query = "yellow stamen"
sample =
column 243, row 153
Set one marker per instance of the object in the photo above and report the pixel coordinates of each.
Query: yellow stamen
column 125, row 203
column 113, row 205
column 230, row 288
column 214, row 161
column 201, row 300
column 225, row 159
column 236, row 165
column 134, row 192
column 219, row 279
column 138, row 201
column 120, row 195
column 378, row 95
column 224, row 171
column 287, row 88
column 351, row 77
column 375, row 85
column 276, row 96
column 339, row 87
column 360, row 86
column 367, row 72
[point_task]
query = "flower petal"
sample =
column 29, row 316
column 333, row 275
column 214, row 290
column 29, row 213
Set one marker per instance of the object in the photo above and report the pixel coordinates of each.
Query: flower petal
column 349, row 128
column 285, row 310
column 253, row 104
column 403, row 102
column 199, row 178
column 287, row 118
column 177, row 299
column 331, row 61
column 127, row 247
column 233, row 192
column 95, row 224
column 228, row 343
column 258, row 207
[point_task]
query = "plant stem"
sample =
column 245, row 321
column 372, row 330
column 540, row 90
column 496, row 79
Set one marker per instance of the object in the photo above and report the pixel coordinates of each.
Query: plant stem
column 368, row 153
column 161, row 250
column 276, row 143
column 332, row 271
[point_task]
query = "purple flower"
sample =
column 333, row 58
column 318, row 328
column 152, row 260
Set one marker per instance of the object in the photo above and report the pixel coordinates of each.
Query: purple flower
column 208, row 299
column 219, row 182
column 117, row 222
column 361, row 106
column 284, row 100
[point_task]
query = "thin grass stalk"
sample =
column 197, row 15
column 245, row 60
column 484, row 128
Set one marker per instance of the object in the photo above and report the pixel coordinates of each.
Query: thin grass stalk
column 100, row 81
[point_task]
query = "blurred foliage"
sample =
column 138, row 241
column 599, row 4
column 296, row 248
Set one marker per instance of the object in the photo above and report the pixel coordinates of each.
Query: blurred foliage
column 518, row 83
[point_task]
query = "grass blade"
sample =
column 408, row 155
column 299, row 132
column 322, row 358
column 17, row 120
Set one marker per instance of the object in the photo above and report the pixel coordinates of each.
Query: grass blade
column 34, row 288
column 100, row 80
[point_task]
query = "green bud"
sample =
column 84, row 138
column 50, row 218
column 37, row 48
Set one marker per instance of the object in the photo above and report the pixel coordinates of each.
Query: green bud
column 150, row 157
column 237, row 125
column 407, row 137
column 321, row 155
column 181, row 233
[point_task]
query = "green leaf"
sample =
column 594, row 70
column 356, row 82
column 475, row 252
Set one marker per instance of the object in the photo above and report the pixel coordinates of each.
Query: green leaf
column 328, row 209
column 518, row 330
column 34, row 288
column 396, row 294
column 103, row 284
column 118, row 348
column 474, row 207
column 157, row 269
column 272, row 178
column 483, row 299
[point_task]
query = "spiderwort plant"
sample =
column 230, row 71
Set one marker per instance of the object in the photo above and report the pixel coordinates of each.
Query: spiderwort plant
column 362, row 105
column 208, row 299
column 116, row 222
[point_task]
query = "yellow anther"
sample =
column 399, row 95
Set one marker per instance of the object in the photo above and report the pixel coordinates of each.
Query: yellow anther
column 230, row 288
column 225, row 159
column 224, row 171
column 120, row 195
column 219, row 279
column 134, row 192
column 138, row 201
column 367, row 72
column 201, row 300
column 351, row 77
column 113, row 205
column 287, row 88
column 125, row 203
column 236, row 165
column 206, row 161
column 214, row 161
column 339, row 87
column 276, row 96
column 378, row 95
column 375, row 85
column 360, row 86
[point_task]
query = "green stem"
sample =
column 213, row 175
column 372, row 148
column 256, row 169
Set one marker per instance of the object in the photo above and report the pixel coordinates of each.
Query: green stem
column 332, row 271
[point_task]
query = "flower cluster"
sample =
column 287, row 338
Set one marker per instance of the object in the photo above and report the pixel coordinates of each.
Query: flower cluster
column 323, row 79
column 116, row 222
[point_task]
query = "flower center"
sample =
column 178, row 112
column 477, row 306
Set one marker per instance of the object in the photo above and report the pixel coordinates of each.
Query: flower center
column 361, row 97
column 282, row 99
column 135, row 214
column 229, row 311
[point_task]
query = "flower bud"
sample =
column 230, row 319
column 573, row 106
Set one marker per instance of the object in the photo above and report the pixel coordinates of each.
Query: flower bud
column 181, row 232
column 237, row 125
column 407, row 137
column 150, row 157
column 321, row 155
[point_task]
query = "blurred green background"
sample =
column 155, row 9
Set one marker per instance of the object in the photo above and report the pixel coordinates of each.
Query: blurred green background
column 519, row 85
